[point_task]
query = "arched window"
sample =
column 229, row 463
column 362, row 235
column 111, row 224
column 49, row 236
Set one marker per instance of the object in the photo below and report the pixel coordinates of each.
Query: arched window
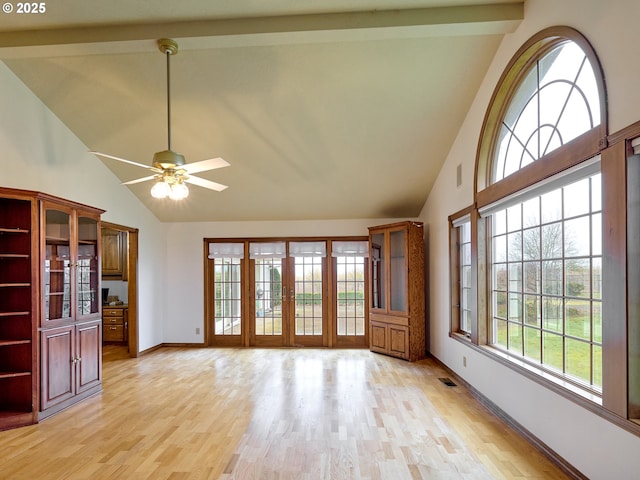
column 538, row 191
column 557, row 101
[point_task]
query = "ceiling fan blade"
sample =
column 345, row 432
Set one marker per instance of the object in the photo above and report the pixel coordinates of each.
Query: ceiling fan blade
column 139, row 180
column 201, row 182
column 205, row 165
column 127, row 161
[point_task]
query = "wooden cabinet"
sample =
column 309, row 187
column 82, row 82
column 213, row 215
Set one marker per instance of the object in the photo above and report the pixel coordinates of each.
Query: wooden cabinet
column 114, row 254
column 70, row 324
column 397, row 324
column 114, row 321
column 64, row 380
column 50, row 310
column 18, row 307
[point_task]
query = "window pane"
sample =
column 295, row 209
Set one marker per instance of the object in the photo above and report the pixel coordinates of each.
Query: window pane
column 515, row 338
column 532, row 306
column 532, row 277
column 574, row 196
column 552, row 350
column 531, row 244
column 501, row 333
column 551, row 241
column 578, row 359
column 577, row 279
column 577, row 319
column 514, row 246
column 531, row 212
column 532, row 344
column 552, row 277
column 577, row 233
column 500, row 248
column 552, row 314
column 227, row 298
column 551, row 204
column 500, row 276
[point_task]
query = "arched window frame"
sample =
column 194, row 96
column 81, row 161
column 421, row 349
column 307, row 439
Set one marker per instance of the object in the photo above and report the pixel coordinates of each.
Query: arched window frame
column 572, row 153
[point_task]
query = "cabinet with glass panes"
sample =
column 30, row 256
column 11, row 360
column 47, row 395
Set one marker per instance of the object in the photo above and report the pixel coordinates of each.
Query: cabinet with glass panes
column 49, row 284
column 397, row 297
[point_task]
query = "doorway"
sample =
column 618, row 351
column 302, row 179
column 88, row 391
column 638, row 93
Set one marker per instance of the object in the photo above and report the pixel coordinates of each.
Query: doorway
column 120, row 273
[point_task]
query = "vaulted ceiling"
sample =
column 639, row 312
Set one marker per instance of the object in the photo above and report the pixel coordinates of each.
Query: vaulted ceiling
column 325, row 110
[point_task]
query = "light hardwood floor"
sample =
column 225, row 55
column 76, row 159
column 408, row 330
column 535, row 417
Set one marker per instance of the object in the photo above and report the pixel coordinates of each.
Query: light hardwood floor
column 271, row 414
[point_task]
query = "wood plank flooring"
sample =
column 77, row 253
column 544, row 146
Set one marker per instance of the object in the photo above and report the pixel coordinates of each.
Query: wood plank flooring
column 271, row 414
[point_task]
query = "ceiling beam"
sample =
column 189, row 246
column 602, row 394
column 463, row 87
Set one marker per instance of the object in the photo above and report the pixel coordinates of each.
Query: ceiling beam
column 490, row 19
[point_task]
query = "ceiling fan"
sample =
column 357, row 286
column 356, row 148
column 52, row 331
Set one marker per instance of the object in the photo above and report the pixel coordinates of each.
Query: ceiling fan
column 170, row 171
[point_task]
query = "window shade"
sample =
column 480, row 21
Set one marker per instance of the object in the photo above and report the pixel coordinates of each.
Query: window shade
column 267, row 250
column 308, row 249
column 226, row 250
column 350, row 249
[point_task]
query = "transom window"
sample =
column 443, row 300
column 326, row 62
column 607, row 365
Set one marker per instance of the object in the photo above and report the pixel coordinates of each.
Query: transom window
column 556, row 102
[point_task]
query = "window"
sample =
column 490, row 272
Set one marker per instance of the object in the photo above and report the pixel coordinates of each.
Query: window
column 546, row 280
column 538, row 215
column 461, row 273
column 556, row 102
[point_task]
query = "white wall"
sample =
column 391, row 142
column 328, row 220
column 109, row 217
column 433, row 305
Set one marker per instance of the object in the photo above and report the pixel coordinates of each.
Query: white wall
column 40, row 153
column 185, row 262
column 594, row 446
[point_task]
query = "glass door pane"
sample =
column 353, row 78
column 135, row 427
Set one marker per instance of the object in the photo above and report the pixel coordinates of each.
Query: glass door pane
column 350, row 286
column 87, row 281
column 378, row 271
column 227, row 296
column 268, row 290
column 398, row 273
column 309, row 299
column 57, row 265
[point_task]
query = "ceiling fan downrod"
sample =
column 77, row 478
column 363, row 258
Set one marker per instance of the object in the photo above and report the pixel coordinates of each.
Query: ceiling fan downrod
column 168, row 157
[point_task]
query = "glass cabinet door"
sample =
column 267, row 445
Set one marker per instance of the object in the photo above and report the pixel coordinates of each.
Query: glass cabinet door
column 398, row 271
column 87, row 280
column 57, row 265
column 378, row 272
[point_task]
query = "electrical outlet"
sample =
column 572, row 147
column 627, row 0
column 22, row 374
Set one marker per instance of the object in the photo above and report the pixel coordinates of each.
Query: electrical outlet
column 197, row 331
column 464, row 361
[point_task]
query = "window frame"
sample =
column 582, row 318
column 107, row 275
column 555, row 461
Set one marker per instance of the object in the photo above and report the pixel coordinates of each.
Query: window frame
column 456, row 220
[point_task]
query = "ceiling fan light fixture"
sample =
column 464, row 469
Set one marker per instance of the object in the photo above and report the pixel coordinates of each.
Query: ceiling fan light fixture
column 179, row 191
column 160, row 189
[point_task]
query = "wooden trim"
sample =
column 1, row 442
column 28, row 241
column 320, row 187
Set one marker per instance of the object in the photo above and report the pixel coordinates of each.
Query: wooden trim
column 572, row 154
column 628, row 133
column 614, row 278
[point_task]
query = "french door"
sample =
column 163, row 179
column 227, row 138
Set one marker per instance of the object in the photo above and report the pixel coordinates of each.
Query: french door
column 287, row 293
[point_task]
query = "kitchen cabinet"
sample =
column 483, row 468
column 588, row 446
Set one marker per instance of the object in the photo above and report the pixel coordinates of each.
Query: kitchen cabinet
column 114, row 254
column 115, row 323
